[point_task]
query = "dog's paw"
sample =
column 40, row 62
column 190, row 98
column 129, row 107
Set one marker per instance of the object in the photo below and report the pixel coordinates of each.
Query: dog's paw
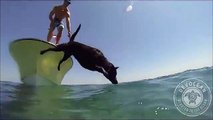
column 41, row 52
column 58, row 68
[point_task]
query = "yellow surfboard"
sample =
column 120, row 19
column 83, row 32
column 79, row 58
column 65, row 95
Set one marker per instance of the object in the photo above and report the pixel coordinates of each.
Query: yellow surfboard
column 36, row 69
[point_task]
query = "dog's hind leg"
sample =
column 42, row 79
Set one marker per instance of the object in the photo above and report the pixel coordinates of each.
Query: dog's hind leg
column 56, row 49
column 44, row 51
column 66, row 56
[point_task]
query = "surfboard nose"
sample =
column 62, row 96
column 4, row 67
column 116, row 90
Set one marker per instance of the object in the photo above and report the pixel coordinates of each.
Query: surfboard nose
column 36, row 69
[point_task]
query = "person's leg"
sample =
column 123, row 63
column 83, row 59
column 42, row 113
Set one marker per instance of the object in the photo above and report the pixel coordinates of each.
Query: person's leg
column 58, row 37
column 50, row 32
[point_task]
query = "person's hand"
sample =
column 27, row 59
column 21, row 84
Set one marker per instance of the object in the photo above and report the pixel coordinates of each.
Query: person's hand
column 69, row 34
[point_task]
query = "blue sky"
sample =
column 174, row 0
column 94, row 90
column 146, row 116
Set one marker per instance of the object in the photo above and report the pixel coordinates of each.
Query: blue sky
column 156, row 38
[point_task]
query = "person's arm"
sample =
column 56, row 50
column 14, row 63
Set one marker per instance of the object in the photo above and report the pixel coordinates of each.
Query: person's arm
column 51, row 14
column 68, row 24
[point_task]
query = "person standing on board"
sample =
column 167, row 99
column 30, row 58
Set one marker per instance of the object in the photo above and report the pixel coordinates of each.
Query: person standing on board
column 56, row 16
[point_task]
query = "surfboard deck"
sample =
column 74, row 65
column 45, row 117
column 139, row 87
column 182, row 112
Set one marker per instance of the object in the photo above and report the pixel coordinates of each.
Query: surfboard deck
column 36, row 69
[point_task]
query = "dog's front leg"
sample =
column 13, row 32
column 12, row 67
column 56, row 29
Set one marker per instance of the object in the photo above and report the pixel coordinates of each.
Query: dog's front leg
column 101, row 70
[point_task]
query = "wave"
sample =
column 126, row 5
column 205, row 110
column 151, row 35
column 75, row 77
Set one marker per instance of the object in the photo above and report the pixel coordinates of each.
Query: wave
column 145, row 99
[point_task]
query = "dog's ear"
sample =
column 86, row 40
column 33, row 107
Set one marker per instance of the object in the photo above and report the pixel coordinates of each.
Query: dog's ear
column 75, row 33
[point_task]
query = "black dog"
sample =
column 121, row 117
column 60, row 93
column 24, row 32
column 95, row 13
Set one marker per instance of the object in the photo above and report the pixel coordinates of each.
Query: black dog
column 88, row 57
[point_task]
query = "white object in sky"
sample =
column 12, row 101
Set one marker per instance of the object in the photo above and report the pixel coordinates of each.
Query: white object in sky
column 129, row 8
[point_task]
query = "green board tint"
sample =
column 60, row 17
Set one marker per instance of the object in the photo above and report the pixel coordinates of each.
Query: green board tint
column 36, row 69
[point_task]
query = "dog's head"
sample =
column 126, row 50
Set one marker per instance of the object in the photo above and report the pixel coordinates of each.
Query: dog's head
column 72, row 38
column 112, row 73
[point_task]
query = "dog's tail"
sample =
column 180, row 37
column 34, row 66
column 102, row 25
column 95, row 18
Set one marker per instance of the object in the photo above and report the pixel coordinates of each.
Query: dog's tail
column 75, row 33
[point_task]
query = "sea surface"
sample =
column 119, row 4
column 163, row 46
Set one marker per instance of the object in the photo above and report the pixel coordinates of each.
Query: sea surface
column 145, row 99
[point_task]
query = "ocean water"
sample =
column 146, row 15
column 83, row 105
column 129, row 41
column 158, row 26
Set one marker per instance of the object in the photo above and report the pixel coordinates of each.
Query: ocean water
column 146, row 99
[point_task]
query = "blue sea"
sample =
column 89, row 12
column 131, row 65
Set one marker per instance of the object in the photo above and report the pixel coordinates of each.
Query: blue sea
column 145, row 99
